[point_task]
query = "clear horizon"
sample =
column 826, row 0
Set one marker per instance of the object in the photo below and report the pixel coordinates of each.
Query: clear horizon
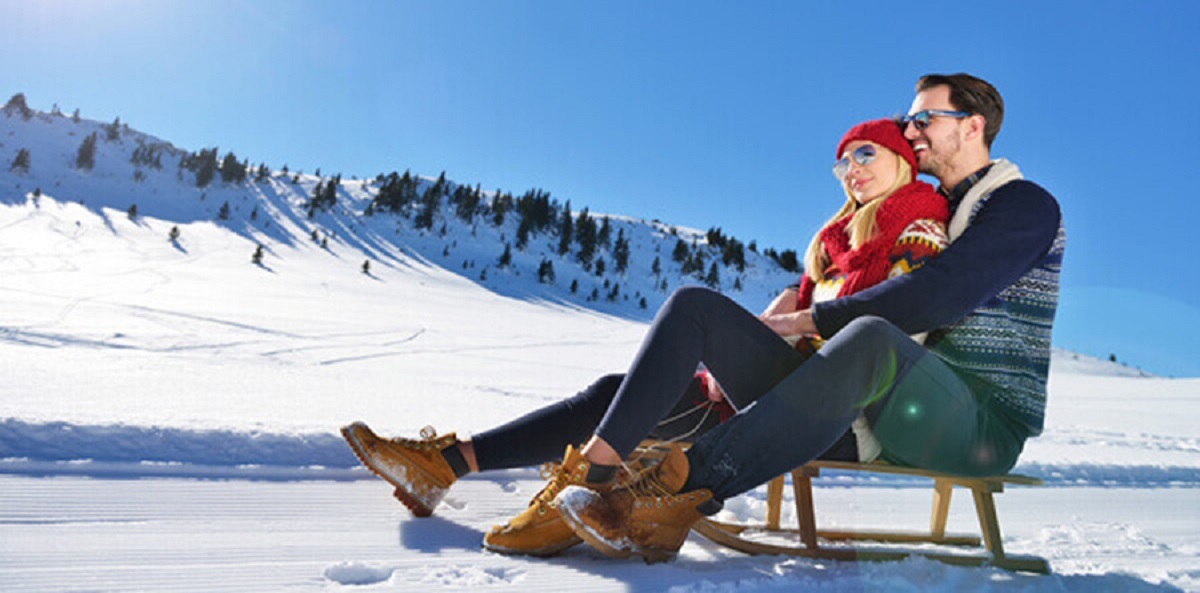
column 697, row 114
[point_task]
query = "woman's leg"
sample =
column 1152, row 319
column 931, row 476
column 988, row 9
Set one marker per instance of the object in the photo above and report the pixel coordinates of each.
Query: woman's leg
column 542, row 434
column 695, row 325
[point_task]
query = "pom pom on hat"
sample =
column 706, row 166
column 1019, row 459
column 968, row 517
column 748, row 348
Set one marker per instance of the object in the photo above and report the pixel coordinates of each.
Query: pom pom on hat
column 884, row 132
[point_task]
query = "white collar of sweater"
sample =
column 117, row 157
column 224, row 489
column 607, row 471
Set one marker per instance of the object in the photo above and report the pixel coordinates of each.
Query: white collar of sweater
column 1001, row 173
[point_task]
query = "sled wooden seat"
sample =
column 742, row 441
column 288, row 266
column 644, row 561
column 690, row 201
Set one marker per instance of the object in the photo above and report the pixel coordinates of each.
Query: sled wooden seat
column 813, row 541
column 806, row 540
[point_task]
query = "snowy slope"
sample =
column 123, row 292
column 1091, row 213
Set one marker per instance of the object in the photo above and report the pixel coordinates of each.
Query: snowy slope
column 168, row 410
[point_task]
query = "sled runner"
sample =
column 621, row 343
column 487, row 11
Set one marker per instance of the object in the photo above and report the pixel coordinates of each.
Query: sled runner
column 806, row 540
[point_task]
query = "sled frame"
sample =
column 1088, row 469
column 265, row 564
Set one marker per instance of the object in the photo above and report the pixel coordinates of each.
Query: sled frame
column 812, row 540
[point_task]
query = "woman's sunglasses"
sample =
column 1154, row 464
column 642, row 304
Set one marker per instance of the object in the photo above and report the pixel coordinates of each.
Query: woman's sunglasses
column 863, row 155
column 921, row 119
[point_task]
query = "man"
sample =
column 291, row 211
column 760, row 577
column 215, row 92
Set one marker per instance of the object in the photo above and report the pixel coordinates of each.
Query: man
column 963, row 404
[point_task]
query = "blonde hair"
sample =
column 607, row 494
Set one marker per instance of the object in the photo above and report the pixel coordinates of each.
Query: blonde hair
column 861, row 228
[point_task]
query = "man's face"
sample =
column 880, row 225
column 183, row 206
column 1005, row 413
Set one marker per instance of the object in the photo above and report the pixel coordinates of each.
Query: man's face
column 938, row 144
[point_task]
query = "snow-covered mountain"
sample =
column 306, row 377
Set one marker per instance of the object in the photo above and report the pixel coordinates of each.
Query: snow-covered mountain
column 154, row 183
column 169, row 409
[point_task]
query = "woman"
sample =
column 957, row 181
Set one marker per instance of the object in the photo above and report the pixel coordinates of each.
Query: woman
column 890, row 223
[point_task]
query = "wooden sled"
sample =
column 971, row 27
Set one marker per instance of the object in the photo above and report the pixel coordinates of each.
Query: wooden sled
column 812, row 541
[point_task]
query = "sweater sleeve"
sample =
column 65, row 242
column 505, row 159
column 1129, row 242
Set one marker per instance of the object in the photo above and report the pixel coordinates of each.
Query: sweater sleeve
column 919, row 242
column 1011, row 232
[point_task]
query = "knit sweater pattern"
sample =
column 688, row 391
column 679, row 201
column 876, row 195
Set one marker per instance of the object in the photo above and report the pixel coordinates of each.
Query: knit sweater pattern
column 1006, row 340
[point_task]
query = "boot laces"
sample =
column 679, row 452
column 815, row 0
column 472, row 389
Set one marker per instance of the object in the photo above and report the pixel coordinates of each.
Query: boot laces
column 428, row 440
column 558, row 478
column 650, row 484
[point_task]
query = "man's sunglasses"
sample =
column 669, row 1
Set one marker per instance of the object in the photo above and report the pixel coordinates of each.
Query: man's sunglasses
column 921, row 119
column 863, row 155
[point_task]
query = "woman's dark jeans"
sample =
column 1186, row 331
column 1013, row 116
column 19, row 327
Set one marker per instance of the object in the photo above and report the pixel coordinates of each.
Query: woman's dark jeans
column 790, row 410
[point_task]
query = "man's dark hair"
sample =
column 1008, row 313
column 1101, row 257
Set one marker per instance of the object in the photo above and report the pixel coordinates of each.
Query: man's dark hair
column 968, row 93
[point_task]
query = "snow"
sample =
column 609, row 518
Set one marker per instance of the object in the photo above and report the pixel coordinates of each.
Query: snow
column 169, row 411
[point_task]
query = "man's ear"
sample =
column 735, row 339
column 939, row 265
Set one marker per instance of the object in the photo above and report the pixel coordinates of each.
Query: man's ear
column 975, row 126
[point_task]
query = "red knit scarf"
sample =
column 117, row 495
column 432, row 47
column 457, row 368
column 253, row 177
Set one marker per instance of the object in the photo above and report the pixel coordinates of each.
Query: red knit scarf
column 868, row 265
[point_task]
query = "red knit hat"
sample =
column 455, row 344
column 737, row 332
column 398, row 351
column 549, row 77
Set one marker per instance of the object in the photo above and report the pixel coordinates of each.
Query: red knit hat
column 884, row 132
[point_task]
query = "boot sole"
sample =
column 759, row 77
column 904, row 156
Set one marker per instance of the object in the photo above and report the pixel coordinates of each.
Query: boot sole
column 415, row 506
column 650, row 555
column 539, row 552
column 581, row 529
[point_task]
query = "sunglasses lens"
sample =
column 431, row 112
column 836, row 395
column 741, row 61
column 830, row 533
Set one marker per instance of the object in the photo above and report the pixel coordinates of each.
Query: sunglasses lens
column 841, row 167
column 864, row 154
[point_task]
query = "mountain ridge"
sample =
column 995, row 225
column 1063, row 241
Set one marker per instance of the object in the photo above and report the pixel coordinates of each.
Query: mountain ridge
column 151, row 178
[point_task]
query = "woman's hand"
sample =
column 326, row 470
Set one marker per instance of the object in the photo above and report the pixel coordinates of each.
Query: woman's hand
column 712, row 390
column 784, row 303
column 797, row 323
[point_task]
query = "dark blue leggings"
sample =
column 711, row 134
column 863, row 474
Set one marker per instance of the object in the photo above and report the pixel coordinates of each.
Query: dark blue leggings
column 790, row 409
column 662, row 388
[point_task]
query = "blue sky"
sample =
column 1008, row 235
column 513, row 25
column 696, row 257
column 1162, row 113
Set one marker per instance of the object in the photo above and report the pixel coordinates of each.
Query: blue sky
column 696, row 113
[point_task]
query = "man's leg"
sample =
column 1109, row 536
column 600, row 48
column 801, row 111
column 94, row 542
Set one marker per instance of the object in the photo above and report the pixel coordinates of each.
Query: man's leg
column 862, row 367
column 934, row 420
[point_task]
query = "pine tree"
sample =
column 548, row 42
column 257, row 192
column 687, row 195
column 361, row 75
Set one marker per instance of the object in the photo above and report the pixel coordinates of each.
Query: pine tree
column 223, row 212
column 546, row 272
column 113, row 131
column 585, row 235
column 20, row 164
column 604, row 237
column 366, row 267
column 86, row 157
column 574, row 286
column 788, row 261
column 257, row 258
column 501, row 204
column 17, row 103
column 566, row 231
column 656, row 267
column 173, row 236
column 430, row 201
column 506, row 257
column 231, row 170
column 203, row 164
column 713, row 280
column 734, row 254
column 681, row 252
column 132, row 212
column 621, row 252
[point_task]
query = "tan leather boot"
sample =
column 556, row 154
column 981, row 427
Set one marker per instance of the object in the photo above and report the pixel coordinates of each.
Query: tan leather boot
column 415, row 467
column 539, row 529
column 648, row 517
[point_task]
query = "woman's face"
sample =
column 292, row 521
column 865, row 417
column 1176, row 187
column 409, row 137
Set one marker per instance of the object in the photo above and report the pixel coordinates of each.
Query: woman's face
column 870, row 181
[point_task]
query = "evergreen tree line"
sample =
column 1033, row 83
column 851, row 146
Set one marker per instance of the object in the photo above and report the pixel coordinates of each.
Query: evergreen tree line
column 18, row 105
column 204, row 166
column 538, row 213
column 147, row 155
column 324, row 195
